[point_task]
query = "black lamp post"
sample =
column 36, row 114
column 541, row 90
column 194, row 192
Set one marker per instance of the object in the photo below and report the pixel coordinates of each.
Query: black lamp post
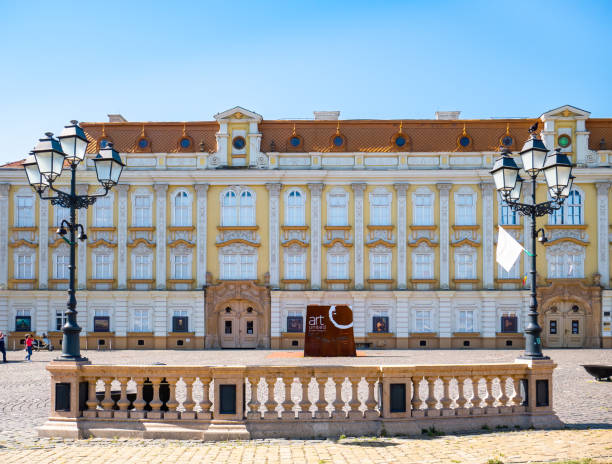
column 557, row 170
column 43, row 167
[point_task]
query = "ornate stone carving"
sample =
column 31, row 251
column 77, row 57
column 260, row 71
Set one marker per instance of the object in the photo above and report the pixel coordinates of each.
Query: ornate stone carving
column 358, row 189
column 315, row 235
column 4, row 222
column 487, row 189
column 401, row 189
column 160, row 263
column 603, row 253
column 122, row 190
column 274, row 221
column 82, row 189
column 201, row 225
column 43, row 237
column 444, row 190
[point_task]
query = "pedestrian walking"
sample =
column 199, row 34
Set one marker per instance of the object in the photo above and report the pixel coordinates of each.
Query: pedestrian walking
column 3, row 346
column 28, row 342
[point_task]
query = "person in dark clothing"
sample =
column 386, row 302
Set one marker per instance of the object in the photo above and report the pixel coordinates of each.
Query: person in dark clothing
column 3, row 346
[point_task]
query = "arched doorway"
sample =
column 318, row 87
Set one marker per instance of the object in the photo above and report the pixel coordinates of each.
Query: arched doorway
column 239, row 325
column 564, row 325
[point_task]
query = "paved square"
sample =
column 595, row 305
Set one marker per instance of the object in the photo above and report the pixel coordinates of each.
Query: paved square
column 583, row 404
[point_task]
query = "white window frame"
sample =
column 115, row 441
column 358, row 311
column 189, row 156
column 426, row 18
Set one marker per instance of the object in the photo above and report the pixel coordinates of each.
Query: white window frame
column 60, row 214
column 337, row 207
column 465, row 206
column 466, row 321
column 238, row 207
column 100, row 267
column 141, row 320
column 24, row 205
column 181, row 209
column 423, row 207
column 142, row 209
column 295, row 263
column 61, row 263
column 295, row 207
column 563, row 258
column 423, row 262
column 380, row 263
column 181, row 263
column 24, row 262
column 103, row 211
column 380, row 207
column 422, row 320
column 60, row 316
column 570, row 213
column 513, row 273
column 507, row 216
column 142, row 261
column 338, row 263
column 238, row 262
column 466, row 262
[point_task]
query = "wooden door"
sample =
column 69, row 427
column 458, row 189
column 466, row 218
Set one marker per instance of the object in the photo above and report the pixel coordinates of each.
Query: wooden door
column 553, row 330
column 228, row 331
column 574, row 330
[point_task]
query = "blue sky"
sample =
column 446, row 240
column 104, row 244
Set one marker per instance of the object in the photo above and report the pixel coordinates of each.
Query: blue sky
column 180, row 61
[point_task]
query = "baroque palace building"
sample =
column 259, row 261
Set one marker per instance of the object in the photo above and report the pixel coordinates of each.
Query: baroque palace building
column 222, row 232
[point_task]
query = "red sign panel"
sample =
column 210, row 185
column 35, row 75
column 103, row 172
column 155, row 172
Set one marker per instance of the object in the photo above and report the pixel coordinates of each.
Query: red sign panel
column 329, row 331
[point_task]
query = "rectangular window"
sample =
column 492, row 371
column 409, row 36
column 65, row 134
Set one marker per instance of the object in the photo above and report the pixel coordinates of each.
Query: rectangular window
column 513, row 273
column 23, row 320
column 575, row 327
column 423, row 210
column 60, row 320
column 465, row 209
column 337, row 212
column 337, row 266
column 24, row 266
column 508, row 216
column 553, row 328
column 565, row 266
column 466, row 321
column 142, row 266
column 103, row 266
column 101, row 323
column 295, row 322
column 61, row 268
column 381, row 266
column 103, row 212
column 380, row 323
column 25, row 211
column 60, row 214
column 228, row 327
column 509, row 323
column 464, row 263
column 142, row 211
column 422, row 321
column 180, row 321
column 380, row 210
column 238, row 267
column 249, row 327
column 556, row 217
column 141, row 320
column 423, row 266
column 296, row 266
column 182, row 267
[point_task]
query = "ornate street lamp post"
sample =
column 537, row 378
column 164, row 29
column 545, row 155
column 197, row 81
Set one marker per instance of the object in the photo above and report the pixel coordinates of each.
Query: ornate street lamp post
column 44, row 165
column 557, row 170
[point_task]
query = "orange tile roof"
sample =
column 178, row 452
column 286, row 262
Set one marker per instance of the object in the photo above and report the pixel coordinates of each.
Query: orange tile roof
column 13, row 164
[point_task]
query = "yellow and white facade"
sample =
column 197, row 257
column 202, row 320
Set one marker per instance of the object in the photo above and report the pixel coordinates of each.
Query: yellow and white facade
column 222, row 232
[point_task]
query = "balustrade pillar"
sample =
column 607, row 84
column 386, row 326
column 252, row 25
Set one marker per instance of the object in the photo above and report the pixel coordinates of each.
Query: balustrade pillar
column 338, row 404
column 205, row 404
column 92, row 400
column 446, row 400
column 431, row 400
column 305, row 404
column 107, row 403
column 123, row 402
column 271, row 403
column 155, row 403
column 371, row 412
column 475, row 400
column 172, row 403
column 139, row 403
column 189, row 402
column 517, row 400
column 416, row 398
column 461, row 399
column 354, row 404
column 489, row 399
column 503, row 399
column 288, row 403
column 321, row 403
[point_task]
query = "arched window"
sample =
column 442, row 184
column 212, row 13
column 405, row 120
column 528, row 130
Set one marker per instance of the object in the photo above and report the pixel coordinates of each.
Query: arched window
column 572, row 211
column 238, row 210
column 380, row 208
column 295, row 209
column 337, row 208
column 182, row 209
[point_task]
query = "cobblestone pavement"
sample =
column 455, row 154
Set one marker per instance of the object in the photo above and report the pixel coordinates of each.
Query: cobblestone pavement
column 583, row 404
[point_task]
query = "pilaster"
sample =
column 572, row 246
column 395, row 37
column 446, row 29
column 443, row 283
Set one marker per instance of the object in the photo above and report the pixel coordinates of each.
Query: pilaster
column 43, row 244
column 603, row 245
column 201, row 238
column 526, row 198
column 82, row 189
column 488, row 317
column 160, row 235
column 274, row 229
column 160, row 314
column 4, row 224
column 402, row 282
column 360, row 322
column 315, row 235
column 122, row 190
column 42, row 313
column 445, row 319
column 402, row 317
column 275, row 315
column 121, row 314
column 487, row 189
column 444, row 190
column 358, row 189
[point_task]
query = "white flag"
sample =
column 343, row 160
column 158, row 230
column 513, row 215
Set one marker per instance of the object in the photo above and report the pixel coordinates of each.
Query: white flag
column 508, row 249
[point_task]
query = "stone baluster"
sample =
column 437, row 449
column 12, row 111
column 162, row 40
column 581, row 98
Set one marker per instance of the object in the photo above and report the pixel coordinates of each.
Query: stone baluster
column 288, row 403
column 107, row 402
column 503, row 399
column 271, row 403
column 371, row 412
column 476, row 400
column 156, row 403
column 354, row 404
column 123, row 402
column 489, row 399
column 338, row 404
column 139, row 403
column 416, row 398
column 446, row 400
column 254, row 403
column 517, row 400
column 461, row 399
column 431, row 400
column 189, row 402
column 305, row 404
column 92, row 399
column 321, row 403
column 172, row 403
column 205, row 404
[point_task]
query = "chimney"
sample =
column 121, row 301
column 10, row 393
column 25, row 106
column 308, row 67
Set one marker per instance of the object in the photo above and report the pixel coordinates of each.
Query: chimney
column 447, row 115
column 116, row 118
column 326, row 115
